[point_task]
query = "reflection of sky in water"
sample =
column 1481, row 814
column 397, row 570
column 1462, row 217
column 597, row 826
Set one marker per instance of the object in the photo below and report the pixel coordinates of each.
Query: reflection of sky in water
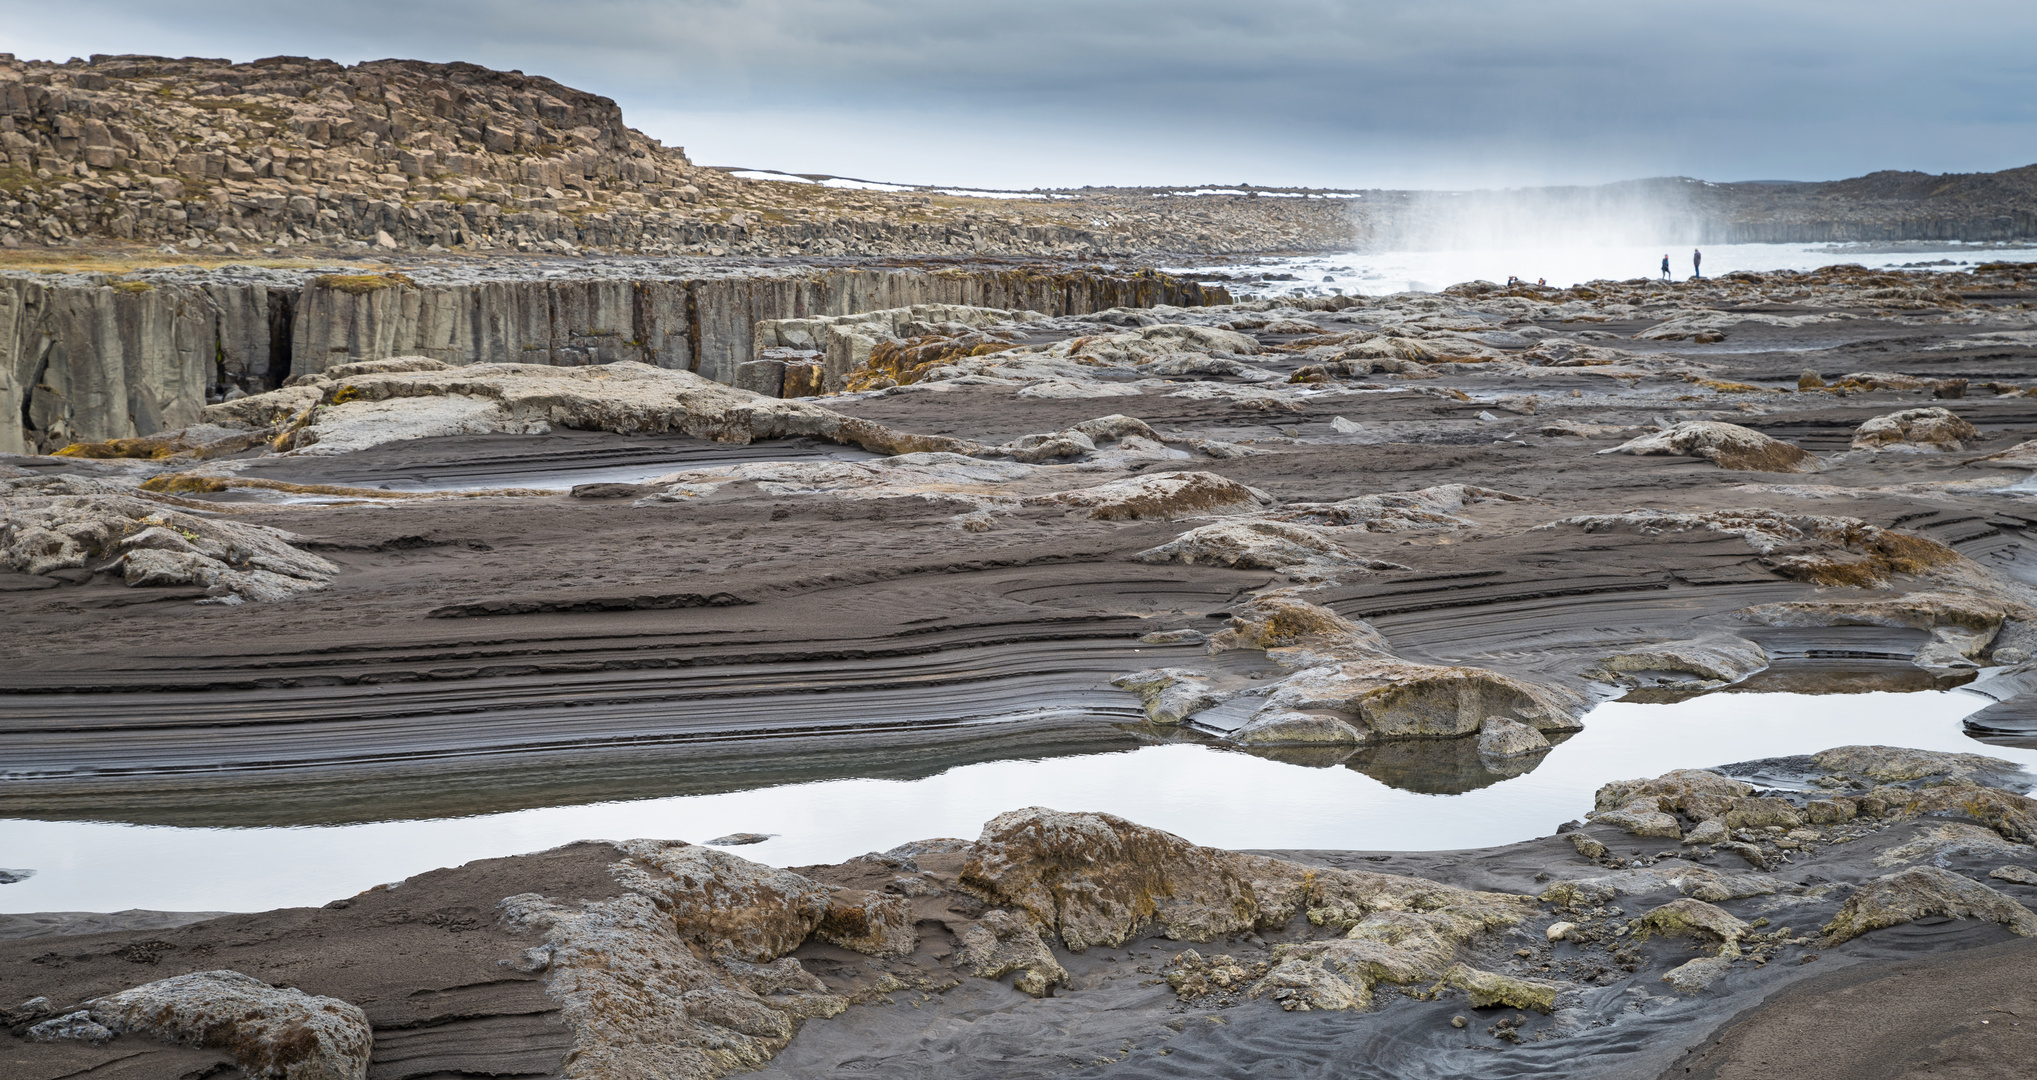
column 1210, row 796
column 1380, row 273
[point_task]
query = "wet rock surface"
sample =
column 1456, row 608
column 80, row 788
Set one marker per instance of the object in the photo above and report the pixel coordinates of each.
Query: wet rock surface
column 1338, row 567
column 1420, row 593
column 1605, row 956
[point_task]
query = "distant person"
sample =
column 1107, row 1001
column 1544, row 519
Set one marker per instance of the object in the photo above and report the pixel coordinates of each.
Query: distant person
column 1665, row 268
column 1697, row 263
column 1542, row 281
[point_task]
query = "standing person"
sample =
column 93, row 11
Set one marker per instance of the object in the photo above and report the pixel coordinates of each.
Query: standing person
column 1665, row 268
column 1697, row 263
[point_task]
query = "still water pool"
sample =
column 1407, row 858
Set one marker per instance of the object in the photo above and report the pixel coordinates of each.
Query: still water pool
column 1207, row 794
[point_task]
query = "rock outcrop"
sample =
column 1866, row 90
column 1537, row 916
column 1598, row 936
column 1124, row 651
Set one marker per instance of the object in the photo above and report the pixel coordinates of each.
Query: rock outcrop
column 1729, row 446
column 1096, row 879
column 1924, row 429
column 1923, row 892
column 407, row 398
column 290, row 152
column 95, row 357
column 150, row 544
column 271, row 1032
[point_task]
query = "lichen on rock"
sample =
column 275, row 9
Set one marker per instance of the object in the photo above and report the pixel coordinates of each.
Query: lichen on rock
column 1922, row 892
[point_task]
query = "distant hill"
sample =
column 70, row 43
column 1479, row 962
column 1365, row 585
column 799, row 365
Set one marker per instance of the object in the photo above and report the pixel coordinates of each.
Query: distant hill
column 291, row 154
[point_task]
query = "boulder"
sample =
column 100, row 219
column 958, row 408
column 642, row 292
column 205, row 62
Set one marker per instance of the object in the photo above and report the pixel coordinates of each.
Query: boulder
column 1708, row 832
column 1642, row 817
column 880, row 924
column 1503, row 738
column 1485, row 989
column 1300, row 986
column 1297, row 551
column 1275, row 621
column 1097, row 879
column 1921, row 892
column 1713, row 661
column 1395, row 699
column 1901, row 764
column 1692, row 918
column 1929, row 429
column 271, row 1032
column 154, row 545
column 1729, row 446
column 681, row 975
column 762, row 377
column 1000, row 943
column 1163, row 497
column 1697, row 882
column 625, row 397
column 1396, row 511
column 1674, row 789
column 723, row 904
column 1281, row 727
column 1697, row 976
column 1171, row 695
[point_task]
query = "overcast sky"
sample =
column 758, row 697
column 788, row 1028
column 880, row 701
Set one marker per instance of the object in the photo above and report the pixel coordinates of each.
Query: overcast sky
column 1305, row 92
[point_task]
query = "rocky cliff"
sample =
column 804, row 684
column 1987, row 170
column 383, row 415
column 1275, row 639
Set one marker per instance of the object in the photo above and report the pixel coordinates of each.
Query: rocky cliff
column 290, row 152
column 85, row 357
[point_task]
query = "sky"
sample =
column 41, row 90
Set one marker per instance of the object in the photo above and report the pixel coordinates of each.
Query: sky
column 1053, row 93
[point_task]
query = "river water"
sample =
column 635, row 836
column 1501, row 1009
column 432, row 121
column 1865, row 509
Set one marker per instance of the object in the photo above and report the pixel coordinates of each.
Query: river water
column 1384, row 272
column 1208, row 794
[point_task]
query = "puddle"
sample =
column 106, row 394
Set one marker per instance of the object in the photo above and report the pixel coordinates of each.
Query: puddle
column 1444, row 800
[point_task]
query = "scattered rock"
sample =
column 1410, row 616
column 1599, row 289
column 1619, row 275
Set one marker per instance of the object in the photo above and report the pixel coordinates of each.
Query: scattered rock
column 1930, row 428
column 1000, row 943
column 1502, row 738
column 1729, row 446
column 739, row 839
column 1163, row 497
column 152, row 545
column 1921, row 892
column 1294, row 550
column 1485, row 989
column 271, row 1032
column 1708, row 832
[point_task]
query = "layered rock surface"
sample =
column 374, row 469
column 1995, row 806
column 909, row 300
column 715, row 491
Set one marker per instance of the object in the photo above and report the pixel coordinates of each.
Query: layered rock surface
column 674, row 959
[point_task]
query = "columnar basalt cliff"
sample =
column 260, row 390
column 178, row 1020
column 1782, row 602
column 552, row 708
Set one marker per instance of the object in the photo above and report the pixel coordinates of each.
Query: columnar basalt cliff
column 89, row 357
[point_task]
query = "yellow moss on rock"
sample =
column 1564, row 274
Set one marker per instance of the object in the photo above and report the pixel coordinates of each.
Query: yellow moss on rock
column 362, row 284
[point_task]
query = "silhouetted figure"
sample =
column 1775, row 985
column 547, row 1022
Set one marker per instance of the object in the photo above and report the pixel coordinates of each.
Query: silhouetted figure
column 1697, row 263
column 1665, row 268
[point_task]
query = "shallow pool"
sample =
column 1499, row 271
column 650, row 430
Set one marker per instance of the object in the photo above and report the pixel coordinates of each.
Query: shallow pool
column 1207, row 794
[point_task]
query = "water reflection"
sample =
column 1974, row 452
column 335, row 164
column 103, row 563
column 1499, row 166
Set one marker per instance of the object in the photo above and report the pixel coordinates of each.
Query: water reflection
column 1407, row 797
